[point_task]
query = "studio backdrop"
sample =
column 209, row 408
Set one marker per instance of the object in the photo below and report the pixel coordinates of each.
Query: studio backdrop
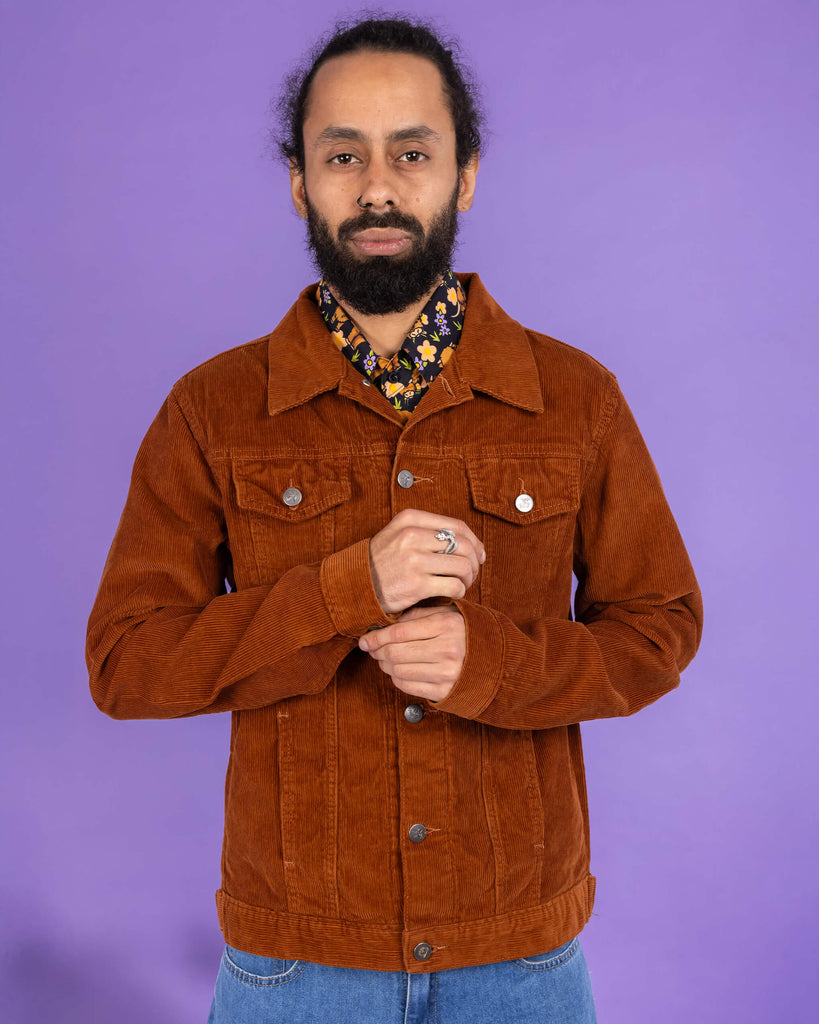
column 647, row 194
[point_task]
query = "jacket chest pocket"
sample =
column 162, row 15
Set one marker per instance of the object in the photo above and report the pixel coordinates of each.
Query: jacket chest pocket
column 528, row 506
column 291, row 506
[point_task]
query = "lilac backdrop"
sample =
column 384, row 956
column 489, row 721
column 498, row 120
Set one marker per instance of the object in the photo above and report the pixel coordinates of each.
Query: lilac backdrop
column 649, row 195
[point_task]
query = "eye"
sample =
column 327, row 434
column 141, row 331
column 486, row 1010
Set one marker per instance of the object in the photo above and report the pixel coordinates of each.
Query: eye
column 341, row 159
column 413, row 156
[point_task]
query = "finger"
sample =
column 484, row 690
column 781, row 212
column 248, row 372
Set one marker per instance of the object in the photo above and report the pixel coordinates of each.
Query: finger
column 424, row 673
column 452, row 587
column 464, row 550
column 413, row 651
column 458, row 566
column 467, row 547
column 405, row 631
column 434, row 521
column 423, row 611
column 418, row 541
column 440, row 649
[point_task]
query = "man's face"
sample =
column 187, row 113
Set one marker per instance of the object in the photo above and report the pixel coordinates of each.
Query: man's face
column 378, row 128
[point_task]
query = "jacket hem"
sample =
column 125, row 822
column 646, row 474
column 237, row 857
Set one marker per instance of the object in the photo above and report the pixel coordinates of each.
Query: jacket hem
column 388, row 947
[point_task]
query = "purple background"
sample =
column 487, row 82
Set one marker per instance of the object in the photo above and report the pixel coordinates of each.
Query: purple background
column 648, row 195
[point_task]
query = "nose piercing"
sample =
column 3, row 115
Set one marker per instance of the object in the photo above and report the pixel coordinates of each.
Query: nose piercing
column 362, row 205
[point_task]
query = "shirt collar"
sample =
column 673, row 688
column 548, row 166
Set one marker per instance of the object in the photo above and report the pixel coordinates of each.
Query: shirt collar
column 494, row 354
column 405, row 376
column 441, row 316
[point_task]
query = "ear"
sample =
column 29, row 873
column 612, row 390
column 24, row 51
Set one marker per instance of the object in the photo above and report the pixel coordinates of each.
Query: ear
column 466, row 177
column 297, row 189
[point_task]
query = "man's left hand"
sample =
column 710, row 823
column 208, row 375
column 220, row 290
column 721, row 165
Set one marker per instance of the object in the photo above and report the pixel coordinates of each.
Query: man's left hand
column 423, row 652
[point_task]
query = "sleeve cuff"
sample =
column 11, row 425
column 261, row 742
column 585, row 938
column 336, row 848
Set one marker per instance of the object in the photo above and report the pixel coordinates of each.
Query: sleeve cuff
column 347, row 585
column 482, row 670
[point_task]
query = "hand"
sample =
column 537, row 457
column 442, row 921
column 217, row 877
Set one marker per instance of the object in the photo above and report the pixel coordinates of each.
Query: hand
column 423, row 652
column 406, row 566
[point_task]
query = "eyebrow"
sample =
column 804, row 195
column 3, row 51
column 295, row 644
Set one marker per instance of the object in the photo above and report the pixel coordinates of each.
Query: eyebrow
column 337, row 133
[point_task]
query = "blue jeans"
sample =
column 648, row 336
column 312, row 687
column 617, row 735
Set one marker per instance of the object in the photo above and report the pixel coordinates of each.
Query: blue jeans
column 553, row 988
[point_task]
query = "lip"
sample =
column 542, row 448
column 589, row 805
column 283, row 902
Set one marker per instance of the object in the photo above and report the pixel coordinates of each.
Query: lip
column 381, row 241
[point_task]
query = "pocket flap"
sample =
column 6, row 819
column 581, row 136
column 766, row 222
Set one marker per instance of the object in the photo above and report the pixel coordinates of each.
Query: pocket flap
column 314, row 485
column 551, row 482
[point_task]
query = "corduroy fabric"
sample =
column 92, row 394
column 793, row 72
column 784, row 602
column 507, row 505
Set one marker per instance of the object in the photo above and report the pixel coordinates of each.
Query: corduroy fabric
column 217, row 596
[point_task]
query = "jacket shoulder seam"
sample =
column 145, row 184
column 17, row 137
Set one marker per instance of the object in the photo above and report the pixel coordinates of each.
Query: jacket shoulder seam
column 189, row 415
column 610, row 406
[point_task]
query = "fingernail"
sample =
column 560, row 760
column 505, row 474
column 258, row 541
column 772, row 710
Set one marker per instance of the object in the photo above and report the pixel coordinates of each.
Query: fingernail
column 483, row 556
column 362, row 643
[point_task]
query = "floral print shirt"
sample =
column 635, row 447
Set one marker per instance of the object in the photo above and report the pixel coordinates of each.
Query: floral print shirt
column 403, row 378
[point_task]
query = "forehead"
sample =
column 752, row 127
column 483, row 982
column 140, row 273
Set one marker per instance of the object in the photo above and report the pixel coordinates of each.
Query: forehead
column 377, row 92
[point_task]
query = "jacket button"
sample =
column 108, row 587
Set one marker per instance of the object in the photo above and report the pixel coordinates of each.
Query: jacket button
column 292, row 496
column 393, row 377
column 524, row 503
column 418, row 833
column 413, row 712
column 423, row 951
column 405, row 478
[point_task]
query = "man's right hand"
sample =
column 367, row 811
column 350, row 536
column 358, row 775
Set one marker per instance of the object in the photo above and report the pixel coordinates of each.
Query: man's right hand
column 407, row 566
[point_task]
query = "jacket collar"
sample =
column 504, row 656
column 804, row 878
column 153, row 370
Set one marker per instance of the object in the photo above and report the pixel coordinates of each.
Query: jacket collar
column 493, row 356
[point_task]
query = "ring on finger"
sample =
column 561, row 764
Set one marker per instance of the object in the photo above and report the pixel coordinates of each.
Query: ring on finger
column 449, row 537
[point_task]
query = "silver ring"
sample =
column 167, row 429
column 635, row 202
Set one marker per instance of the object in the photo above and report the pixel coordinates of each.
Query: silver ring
column 449, row 537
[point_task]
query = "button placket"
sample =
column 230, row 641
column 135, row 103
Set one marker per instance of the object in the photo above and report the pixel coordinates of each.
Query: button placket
column 424, row 807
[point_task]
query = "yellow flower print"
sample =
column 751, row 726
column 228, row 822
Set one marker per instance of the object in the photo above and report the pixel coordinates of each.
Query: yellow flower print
column 440, row 307
column 424, row 319
column 426, row 351
column 393, row 388
column 338, row 339
column 452, row 296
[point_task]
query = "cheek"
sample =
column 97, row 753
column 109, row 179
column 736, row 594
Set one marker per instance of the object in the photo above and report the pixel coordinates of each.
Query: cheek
column 333, row 199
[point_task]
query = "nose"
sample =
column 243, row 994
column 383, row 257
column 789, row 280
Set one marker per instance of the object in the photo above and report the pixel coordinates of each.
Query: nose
column 378, row 188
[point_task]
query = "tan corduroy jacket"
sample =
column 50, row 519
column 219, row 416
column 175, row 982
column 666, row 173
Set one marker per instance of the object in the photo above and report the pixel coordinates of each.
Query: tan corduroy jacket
column 330, row 764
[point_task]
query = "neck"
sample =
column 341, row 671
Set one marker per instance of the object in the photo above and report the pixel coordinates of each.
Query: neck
column 386, row 332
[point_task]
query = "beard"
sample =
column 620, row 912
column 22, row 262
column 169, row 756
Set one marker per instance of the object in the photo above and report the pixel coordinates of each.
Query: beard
column 375, row 285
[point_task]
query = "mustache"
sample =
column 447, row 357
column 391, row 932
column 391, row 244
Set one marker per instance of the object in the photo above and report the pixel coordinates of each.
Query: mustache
column 391, row 219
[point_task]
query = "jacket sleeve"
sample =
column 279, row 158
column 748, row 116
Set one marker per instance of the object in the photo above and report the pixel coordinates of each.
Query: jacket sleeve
column 166, row 639
column 638, row 608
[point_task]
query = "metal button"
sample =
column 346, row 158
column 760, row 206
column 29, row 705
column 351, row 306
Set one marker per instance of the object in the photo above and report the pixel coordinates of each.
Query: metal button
column 413, row 712
column 292, row 496
column 405, row 478
column 423, row 951
column 524, row 503
column 366, row 383
column 418, row 833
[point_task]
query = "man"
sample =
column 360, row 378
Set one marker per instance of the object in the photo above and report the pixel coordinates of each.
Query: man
column 358, row 535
